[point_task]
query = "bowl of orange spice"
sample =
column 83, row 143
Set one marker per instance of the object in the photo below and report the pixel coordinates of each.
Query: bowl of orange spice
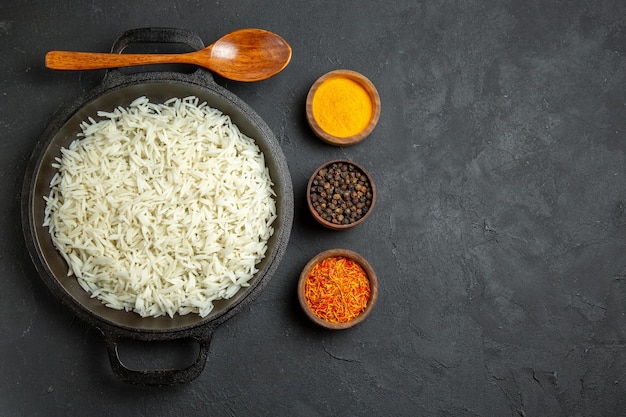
column 342, row 107
column 338, row 289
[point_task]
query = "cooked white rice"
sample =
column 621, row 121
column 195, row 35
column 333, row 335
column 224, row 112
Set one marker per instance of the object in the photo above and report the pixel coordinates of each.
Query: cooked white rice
column 161, row 208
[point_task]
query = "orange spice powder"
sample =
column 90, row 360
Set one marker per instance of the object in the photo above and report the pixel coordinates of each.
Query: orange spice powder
column 337, row 289
column 342, row 107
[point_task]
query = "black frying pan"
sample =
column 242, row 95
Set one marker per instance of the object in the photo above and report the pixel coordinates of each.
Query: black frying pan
column 119, row 89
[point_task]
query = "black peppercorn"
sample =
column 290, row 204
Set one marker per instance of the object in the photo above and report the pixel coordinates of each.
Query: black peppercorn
column 341, row 193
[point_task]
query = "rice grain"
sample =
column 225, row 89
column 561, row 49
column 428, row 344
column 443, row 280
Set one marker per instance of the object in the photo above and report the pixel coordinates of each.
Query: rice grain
column 161, row 209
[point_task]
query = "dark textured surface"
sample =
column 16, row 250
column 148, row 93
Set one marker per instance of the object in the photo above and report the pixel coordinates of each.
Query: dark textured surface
column 498, row 235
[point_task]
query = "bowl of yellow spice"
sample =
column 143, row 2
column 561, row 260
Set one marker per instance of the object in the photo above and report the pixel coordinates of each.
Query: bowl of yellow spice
column 338, row 289
column 342, row 107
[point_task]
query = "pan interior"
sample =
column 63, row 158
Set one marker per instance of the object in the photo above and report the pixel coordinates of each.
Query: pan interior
column 56, row 268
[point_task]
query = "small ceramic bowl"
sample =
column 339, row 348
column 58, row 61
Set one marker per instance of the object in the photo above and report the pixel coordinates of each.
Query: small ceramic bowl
column 365, row 89
column 353, row 256
column 329, row 204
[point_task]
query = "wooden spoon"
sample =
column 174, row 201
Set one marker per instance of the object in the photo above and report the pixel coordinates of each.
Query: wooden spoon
column 242, row 55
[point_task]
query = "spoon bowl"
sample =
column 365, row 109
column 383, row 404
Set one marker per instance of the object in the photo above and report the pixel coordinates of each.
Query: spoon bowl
column 243, row 55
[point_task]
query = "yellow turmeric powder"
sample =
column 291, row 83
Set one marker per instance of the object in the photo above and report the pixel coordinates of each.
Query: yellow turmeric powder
column 342, row 107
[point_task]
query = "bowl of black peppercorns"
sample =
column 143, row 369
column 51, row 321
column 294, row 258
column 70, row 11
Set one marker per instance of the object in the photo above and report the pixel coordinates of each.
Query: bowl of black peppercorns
column 340, row 194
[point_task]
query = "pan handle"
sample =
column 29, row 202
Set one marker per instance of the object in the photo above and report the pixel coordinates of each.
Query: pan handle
column 114, row 76
column 157, row 377
column 157, row 35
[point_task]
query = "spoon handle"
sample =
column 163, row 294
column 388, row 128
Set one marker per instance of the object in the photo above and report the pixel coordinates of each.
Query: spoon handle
column 66, row 60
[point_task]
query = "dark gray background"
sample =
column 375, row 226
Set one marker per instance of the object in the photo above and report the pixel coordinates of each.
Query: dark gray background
column 499, row 233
